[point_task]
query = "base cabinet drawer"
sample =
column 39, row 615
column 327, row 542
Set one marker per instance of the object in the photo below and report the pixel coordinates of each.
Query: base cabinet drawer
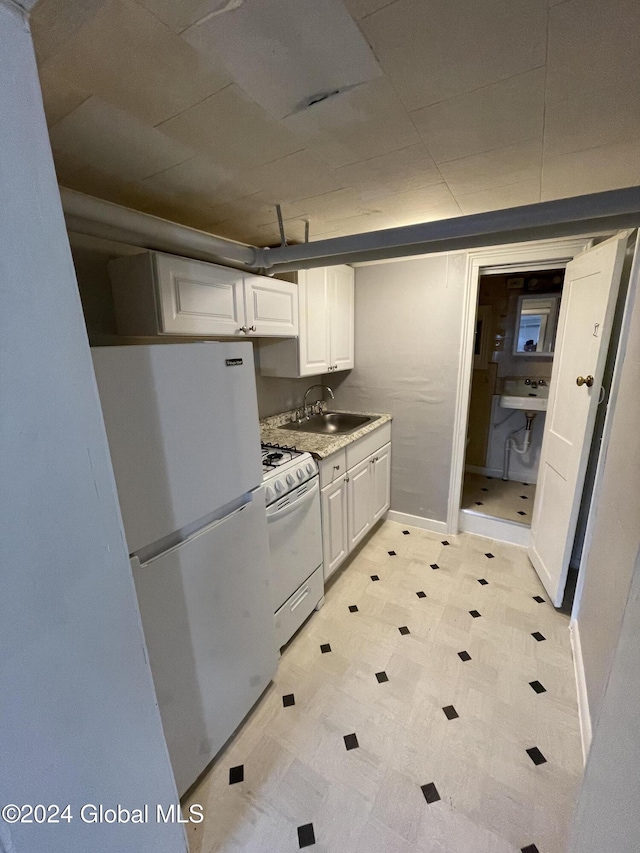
column 296, row 608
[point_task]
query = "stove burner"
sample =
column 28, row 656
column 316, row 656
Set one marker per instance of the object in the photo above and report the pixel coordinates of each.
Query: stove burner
column 275, row 455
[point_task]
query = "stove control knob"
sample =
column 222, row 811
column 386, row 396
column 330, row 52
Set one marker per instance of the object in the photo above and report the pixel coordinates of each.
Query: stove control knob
column 290, row 479
column 278, row 486
column 270, row 493
column 310, row 468
column 300, row 474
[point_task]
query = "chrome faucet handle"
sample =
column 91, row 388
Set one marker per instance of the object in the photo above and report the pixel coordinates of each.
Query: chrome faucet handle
column 541, row 382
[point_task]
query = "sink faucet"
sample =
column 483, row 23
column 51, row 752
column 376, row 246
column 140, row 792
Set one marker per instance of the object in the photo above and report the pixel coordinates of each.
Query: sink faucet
column 310, row 388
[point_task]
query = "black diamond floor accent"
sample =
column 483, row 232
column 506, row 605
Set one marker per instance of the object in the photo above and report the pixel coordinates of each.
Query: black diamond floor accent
column 536, row 756
column 382, row 677
column 537, row 687
column 421, row 594
column 450, row 712
column 375, row 577
column 404, row 630
column 351, row 741
column 530, row 848
column 288, row 700
column 353, row 608
column 392, row 553
column 306, row 835
column 520, row 512
column 489, row 555
column 525, row 484
column 236, row 774
column 489, row 478
column 475, row 613
column 538, row 636
column 406, row 532
column 525, row 497
column 465, row 656
column 445, row 542
column 539, row 599
column 484, row 489
column 324, row 648
column 478, row 503
column 483, row 581
column 430, row 792
column 435, row 566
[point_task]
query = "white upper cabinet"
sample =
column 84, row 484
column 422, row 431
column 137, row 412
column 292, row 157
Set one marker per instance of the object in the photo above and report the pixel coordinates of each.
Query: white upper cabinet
column 326, row 328
column 158, row 294
column 271, row 306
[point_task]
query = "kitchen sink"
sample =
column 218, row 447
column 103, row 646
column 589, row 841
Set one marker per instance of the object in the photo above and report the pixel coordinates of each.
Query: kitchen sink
column 331, row 423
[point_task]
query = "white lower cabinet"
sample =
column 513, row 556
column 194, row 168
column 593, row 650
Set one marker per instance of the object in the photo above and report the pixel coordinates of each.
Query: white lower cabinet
column 353, row 501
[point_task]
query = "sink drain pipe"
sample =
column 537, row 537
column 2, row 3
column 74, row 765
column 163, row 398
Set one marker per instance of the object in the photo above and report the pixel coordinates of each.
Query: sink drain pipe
column 510, row 444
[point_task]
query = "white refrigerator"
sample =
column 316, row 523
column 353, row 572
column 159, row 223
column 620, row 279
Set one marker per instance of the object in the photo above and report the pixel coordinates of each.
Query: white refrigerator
column 183, row 431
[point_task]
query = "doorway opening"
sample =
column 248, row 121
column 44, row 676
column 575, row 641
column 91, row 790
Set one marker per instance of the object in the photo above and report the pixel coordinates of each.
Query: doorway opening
column 515, row 327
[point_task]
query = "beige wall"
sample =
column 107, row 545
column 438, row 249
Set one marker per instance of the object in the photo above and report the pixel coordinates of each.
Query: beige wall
column 613, row 535
column 408, row 336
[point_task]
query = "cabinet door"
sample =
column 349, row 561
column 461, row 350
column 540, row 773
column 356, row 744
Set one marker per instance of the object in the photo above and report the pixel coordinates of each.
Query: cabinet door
column 381, row 482
column 314, row 338
column 271, row 306
column 342, row 317
column 335, row 544
column 195, row 298
column 359, row 501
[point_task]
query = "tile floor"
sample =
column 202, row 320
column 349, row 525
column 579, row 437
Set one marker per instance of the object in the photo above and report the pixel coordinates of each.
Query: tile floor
column 438, row 716
column 497, row 498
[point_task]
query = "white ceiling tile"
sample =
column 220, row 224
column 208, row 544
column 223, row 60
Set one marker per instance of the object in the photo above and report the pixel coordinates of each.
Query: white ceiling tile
column 128, row 57
column 592, row 119
column 432, row 51
column 419, row 205
column 298, row 175
column 197, row 179
column 99, row 134
column 497, row 115
column 592, row 45
column 499, row 198
column 510, row 165
column 53, row 22
column 607, row 167
column 284, row 53
column 232, row 130
column 361, row 8
column 361, row 124
column 398, row 171
column 180, row 15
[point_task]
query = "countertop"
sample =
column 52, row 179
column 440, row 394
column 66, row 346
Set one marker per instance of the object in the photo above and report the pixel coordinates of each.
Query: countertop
column 319, row 446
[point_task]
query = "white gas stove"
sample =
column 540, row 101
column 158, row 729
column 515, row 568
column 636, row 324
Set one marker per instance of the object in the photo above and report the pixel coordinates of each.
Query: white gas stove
column 292, row 492
column 284, row 469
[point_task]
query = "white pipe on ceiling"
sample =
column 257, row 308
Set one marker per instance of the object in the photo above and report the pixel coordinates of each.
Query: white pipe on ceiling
column 580, row 215
column 94, row 217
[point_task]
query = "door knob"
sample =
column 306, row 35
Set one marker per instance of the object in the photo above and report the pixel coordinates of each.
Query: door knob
column 585, row 380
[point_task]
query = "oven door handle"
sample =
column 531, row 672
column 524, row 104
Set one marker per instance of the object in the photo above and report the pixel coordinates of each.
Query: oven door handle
column 273, row 513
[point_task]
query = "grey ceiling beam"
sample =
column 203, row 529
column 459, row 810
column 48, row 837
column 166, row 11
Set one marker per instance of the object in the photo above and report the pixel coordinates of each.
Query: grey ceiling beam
column 94, row 217
column 580, row 215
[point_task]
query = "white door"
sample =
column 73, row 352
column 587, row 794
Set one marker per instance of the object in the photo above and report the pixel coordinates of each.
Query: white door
column 381, row 473
column 271, row 306
column 584, row 327
column 314, row 322
column 335, row 544
column 197, row 298
column 359, row 501
column 342, row 317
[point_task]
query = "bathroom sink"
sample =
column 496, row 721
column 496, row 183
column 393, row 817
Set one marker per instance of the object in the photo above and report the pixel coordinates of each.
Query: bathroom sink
column 331, row 423
column 517, row 394
column 530, row 404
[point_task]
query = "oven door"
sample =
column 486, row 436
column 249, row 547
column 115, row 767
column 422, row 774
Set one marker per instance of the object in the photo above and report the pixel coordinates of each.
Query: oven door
column 295, row 540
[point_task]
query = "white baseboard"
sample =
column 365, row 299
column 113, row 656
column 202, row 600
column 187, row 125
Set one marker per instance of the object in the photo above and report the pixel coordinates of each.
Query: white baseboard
column 417, row 521
column 496, row 473
column 494, row 528
column 581, row 685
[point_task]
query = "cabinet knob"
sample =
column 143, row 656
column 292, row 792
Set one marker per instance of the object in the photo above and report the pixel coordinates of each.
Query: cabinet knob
column 336, row 467
column 252, row 328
